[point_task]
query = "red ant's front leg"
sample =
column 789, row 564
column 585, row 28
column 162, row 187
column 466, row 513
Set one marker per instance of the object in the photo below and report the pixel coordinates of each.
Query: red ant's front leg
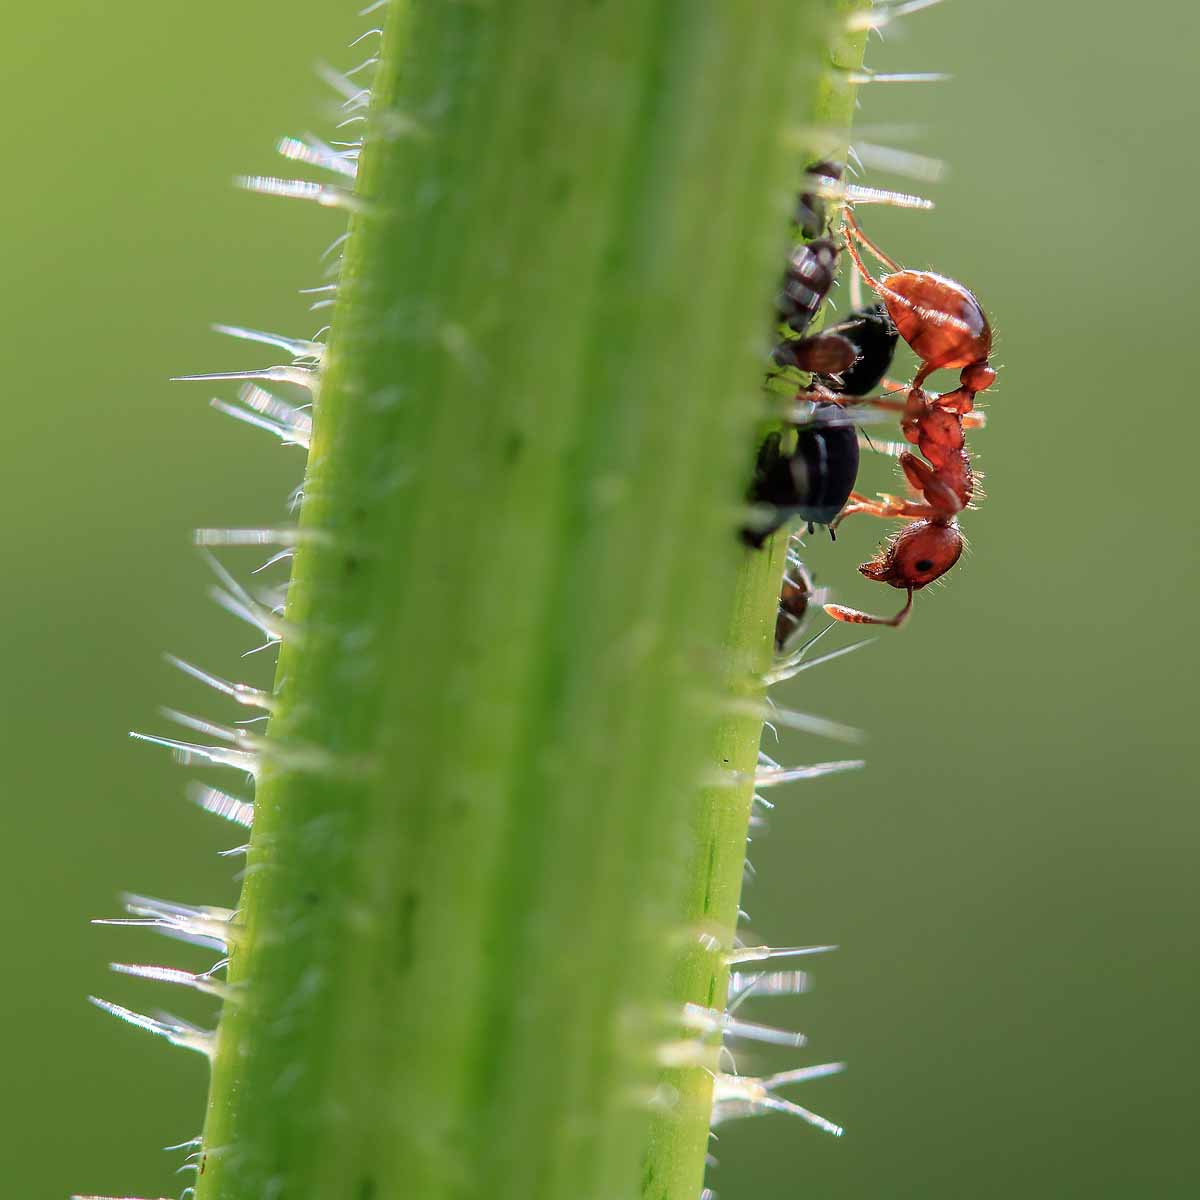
column 890, row 508
column 852, row 616
column 940, row 500
column 855, row 503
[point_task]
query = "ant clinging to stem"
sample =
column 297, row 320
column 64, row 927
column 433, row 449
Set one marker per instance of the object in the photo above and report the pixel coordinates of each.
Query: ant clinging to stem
column 947, row 328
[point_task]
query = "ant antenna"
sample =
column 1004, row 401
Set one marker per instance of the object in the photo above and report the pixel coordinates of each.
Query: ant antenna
column 853, row 617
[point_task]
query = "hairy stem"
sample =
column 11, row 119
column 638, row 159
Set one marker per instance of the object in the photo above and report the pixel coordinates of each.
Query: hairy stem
column 482, row 829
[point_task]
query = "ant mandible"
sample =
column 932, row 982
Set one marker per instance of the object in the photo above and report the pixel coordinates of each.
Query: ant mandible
column 946, row 327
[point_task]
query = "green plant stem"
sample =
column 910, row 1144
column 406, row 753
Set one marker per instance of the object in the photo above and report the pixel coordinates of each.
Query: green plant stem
column 720, row 818
column 509, row 649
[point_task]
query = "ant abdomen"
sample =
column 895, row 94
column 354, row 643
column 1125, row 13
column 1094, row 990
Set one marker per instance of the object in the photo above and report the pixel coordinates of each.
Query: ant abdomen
column 943, row 322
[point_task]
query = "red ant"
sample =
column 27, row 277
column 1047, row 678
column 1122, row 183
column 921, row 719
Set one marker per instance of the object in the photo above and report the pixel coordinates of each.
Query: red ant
column 946, row 327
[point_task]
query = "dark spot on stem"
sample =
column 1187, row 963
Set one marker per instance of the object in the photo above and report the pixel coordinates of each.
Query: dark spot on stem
column 562, row 187
column 708, row 878
column 514, row 445
column 405, row 930
column 647, row 1176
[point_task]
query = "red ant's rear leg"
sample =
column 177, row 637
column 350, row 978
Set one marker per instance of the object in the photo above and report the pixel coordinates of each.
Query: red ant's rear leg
column 850, row 224
column 852, row 616
column 867, row 277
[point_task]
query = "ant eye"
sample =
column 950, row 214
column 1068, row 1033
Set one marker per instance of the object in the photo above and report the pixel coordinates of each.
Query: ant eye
column 924, row 564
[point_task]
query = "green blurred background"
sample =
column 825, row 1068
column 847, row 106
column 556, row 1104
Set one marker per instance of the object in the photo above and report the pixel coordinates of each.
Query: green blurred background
column 1012, row 880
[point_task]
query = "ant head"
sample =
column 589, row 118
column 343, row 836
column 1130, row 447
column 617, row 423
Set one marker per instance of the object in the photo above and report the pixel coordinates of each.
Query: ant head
column 917, row 555
column 978, row 377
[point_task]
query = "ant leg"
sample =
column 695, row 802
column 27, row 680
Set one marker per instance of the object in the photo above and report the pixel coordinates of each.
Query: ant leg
column 924, row 373
column 851, row 223
column 856, row 291
column 890, row 508
column 973, row 418
column 855, row 502
column 881, row 403
column 816, row 394
column 852, row 616
column 961, row 400
column 920, row 475
column 867, row 277
column 924, row 479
